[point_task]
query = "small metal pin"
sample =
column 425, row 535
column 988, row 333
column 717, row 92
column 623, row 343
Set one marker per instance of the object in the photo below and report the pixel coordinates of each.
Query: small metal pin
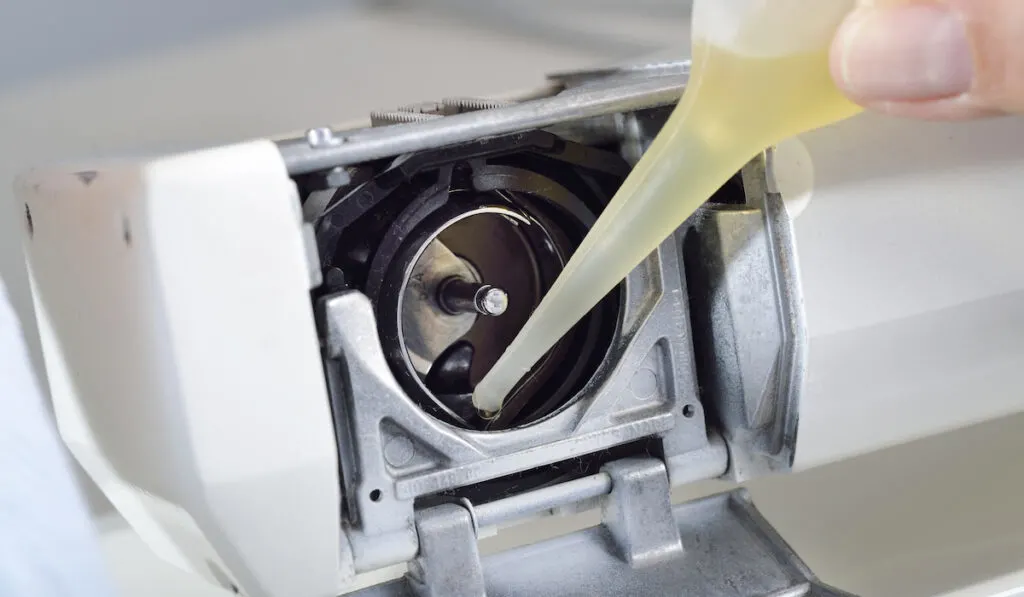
column 457, row 296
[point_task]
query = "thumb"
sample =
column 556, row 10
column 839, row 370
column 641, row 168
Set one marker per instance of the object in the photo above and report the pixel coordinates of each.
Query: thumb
column 935, row 59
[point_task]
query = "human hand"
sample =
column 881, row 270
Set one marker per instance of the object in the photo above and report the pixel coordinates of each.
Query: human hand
column 933, row 59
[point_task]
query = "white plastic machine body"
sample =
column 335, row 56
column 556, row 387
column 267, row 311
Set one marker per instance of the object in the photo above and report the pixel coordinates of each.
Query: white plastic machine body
column 173, row 300
column 183, row 361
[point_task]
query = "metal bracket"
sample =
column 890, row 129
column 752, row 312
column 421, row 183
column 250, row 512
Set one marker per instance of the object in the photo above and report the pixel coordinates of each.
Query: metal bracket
column 393, row 452
column 638, row 512
column 324, row 148
column 448, row 564
column 732, row 551
column 749, row 332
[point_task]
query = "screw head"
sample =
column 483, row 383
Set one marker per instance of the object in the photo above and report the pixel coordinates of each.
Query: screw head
column 493, row 301
column 322, row 137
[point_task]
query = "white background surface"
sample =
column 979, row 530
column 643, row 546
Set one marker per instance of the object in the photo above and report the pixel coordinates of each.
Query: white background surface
column 920, row 519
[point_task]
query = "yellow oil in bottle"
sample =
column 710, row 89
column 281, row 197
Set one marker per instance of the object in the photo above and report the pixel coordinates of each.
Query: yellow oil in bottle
column 735, row 107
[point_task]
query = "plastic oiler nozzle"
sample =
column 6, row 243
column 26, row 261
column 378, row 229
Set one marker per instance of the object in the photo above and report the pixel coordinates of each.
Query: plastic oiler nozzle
column 759, row 74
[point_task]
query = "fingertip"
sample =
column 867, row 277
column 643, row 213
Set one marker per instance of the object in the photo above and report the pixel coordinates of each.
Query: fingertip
column 955, row 109
column 903, row 53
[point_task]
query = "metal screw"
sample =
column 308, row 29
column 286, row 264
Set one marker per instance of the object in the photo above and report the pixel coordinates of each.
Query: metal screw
column 494, row 301
column 457, row 296
column 338, row 177
column 322, row 137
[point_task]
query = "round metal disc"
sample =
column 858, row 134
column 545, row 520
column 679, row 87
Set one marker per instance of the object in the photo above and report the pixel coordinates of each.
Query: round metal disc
column 427, row 328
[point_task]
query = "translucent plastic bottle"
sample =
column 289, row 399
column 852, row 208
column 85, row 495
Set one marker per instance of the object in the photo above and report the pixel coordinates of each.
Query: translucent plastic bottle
column 760, row 74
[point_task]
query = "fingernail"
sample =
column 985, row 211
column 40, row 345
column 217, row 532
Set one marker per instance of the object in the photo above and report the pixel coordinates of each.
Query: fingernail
column 912, row 52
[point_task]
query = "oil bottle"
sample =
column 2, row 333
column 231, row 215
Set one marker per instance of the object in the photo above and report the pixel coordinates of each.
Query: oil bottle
column 759, row 74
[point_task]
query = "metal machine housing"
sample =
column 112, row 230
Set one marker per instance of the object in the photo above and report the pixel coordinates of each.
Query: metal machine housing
column 704, row 376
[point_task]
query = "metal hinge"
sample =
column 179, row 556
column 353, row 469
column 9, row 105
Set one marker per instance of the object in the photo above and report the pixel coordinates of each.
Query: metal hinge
column 714, row 547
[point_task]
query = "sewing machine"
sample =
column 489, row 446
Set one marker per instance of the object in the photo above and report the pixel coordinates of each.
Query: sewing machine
column 273, row 340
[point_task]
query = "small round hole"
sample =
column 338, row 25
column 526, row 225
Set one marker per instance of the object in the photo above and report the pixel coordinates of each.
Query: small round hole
column 222, row 578
column 126, row 230
column 689, row 411
column 375, row 495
